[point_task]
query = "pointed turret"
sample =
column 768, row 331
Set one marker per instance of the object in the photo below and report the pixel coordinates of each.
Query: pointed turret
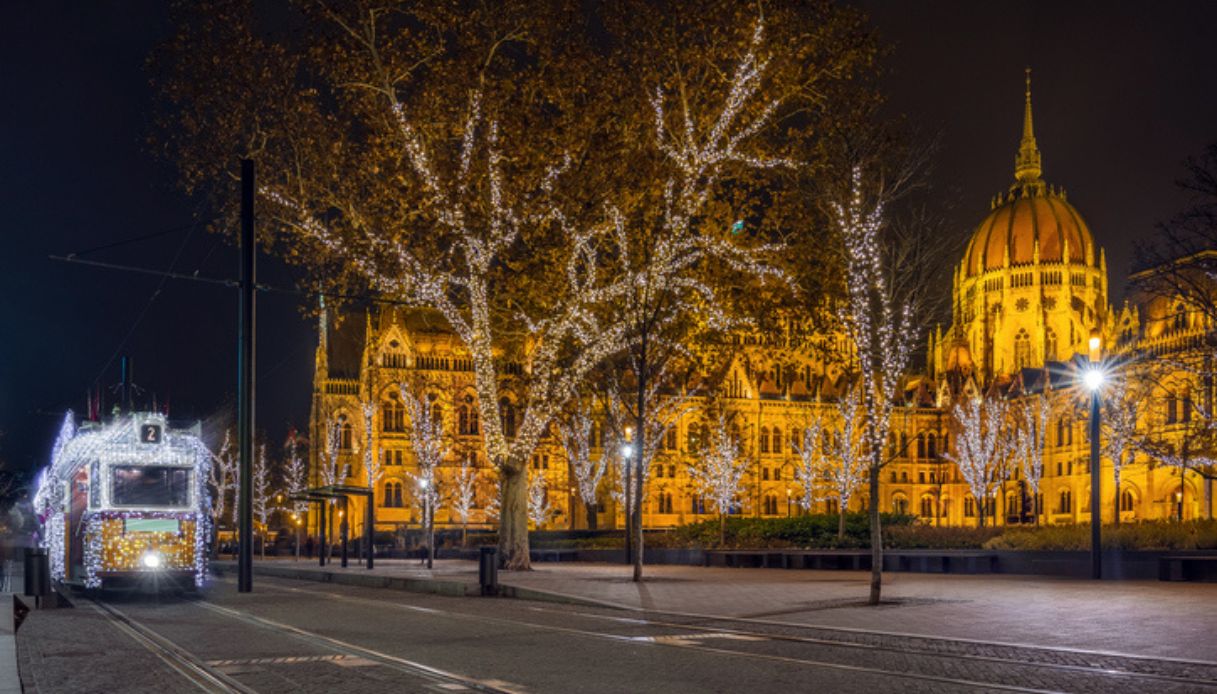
column 1027, row 168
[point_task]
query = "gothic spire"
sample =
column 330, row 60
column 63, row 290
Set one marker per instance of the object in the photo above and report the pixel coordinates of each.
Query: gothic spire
column 1027, row 163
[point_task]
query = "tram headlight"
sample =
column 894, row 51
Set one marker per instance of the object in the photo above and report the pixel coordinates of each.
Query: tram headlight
column 152, row 560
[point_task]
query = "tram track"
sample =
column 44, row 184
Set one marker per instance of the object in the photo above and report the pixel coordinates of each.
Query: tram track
column 1061, row 669
column 178, row 659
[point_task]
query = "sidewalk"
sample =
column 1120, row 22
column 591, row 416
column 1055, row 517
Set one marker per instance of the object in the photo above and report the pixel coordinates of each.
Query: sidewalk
column 1149, row 618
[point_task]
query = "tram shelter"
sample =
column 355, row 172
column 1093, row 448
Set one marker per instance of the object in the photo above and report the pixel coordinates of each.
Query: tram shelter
column 324, row 497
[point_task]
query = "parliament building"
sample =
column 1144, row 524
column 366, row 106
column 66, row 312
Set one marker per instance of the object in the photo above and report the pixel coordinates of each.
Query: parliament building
column 1027, row 296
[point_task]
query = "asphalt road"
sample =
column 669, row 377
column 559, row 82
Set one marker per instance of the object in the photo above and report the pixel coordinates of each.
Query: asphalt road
column 294, row 636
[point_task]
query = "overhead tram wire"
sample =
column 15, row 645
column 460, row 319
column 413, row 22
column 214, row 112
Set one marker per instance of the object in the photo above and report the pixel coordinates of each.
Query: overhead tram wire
column 151, row 299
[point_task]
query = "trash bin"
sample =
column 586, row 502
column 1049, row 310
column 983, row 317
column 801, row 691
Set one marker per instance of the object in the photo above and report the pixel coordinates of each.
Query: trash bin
column 488, row 571
column 37, row 573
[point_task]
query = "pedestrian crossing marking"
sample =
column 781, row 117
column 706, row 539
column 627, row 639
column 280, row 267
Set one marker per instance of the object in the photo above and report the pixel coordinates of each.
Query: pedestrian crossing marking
column 285, row 660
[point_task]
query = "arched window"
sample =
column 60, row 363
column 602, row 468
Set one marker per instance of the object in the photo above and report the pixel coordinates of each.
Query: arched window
column 1127, row 501
column 1050, row 345
column 393, row 495
column 437, row 413
column 392, row 414
column 900, row 506
column 920, row 446
column 832, row 506
column 663, row 502
column 777, row 440
column 969, row 507
column 927, row 507
column 1065, row 500
column 507, row 415
column 693, row 438
column 669, row 438
column 1179, row 319
column 770, row 505
column 946, row 508
column 697, row 505
column 931, row 446
column 344, row 433
column 467, row 418
column 1022, row 350
column 764, row 439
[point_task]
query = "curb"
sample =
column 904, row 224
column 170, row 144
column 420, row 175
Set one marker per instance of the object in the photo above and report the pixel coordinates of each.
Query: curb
column 431, row 586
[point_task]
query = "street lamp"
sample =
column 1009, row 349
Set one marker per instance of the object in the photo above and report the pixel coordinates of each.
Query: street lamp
column 627, row 453
column 429, row 525
column 1093, row 379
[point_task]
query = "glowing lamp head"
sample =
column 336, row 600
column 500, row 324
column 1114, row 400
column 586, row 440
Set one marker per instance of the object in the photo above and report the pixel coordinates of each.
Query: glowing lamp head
column 627, row 450
column 424, row 483
column 1096, row 346
column 151, row 560
column 1093, row 378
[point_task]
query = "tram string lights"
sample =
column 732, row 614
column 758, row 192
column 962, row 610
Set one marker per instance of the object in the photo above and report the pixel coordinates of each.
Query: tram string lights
column 107, row 544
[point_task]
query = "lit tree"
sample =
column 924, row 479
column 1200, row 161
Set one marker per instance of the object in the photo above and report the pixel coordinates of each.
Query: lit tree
column 464, row 495
column 539, row 508
column 222, row 476
column 577, row 432
column 262, row 493
column 429, row 447
column 878, row 316
column 330, row 473
column 1123, row 404
column 844, row 462
column 373, row 464
column 1031, row 440
column 720, row 473
column 296, row 480
column 809, row 466
column 982, row 446
column 452, row 155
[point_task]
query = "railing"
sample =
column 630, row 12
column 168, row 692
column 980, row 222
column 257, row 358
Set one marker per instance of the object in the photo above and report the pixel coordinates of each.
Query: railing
column 342, row 386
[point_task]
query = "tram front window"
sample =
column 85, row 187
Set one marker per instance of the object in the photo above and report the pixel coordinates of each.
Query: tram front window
column 137, row 485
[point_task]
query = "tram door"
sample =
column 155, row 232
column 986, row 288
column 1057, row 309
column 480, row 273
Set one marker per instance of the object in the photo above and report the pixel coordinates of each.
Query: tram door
column 75, row 529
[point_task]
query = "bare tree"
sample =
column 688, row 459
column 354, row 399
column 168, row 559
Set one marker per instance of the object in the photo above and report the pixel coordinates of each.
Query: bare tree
column 464, row 495
column 429, row 445
column 983, row 442
column 577, row 432
column 539, row 508
column 296, row 481
column 720, row 473
column 1032, row 438
column 223, row 477
column 262, row 493
column 879, row 317
column 844, row 461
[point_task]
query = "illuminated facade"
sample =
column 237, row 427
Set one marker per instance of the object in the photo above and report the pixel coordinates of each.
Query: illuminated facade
column 1029, row 292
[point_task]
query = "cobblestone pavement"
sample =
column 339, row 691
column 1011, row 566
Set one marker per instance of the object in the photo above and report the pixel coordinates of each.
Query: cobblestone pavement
column 302, row 636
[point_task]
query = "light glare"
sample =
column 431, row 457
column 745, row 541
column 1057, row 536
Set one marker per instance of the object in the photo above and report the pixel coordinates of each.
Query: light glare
column 1093, row 379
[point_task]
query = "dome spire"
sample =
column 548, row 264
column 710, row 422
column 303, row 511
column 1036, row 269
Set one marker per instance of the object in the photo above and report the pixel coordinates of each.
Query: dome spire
column 1027, row 168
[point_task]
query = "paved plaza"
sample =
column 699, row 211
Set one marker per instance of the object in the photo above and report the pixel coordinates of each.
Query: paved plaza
column 1151, row 618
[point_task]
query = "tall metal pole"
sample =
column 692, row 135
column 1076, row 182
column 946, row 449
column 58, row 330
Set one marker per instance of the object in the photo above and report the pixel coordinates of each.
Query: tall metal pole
column 1096, row 508
column 245, row 381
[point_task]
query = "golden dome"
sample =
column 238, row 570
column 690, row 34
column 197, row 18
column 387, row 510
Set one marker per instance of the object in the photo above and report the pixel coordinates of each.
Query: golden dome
column 1014, row 228
column 1030, row 214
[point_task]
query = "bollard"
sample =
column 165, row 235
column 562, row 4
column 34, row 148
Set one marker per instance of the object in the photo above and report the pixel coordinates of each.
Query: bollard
column 488, row 571
column 37, row 574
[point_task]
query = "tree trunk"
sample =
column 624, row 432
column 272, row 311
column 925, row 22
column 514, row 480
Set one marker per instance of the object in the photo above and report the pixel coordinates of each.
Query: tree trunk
column 589, row 507
column 513, row 519
column 876, row 539
column 722, row 529
column 465, row 533
column 430, row 536
column 1115, row 519
column 841, row 522
column 640, row 441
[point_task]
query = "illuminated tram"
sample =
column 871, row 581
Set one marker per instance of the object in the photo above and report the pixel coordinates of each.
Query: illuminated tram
column 126, row 502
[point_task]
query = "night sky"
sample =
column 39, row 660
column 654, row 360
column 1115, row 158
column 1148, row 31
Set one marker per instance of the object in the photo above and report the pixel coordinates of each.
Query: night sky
column 1123, row 92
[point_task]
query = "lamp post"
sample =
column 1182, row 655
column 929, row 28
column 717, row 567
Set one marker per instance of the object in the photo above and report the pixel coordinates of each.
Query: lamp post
column 1093, row 379
column 627, row 454
column 428, row 524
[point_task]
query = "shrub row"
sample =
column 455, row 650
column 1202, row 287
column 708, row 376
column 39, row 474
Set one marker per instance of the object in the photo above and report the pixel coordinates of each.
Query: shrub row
column 899, row 532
